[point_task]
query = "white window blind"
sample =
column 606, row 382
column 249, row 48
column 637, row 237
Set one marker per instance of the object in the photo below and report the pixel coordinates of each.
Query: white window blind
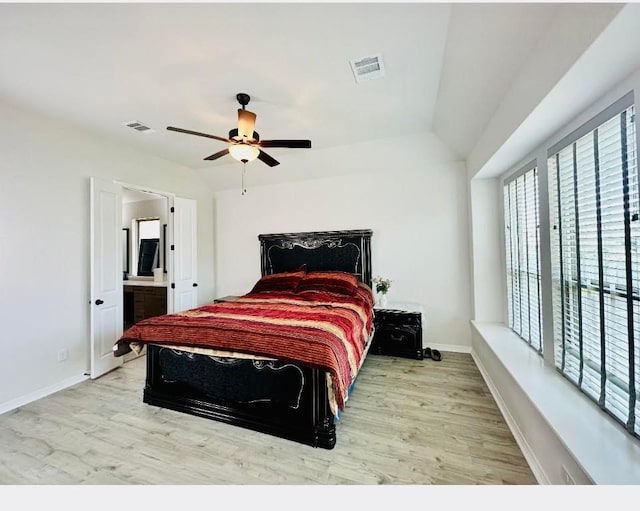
column 523, row 256
column 595, row 234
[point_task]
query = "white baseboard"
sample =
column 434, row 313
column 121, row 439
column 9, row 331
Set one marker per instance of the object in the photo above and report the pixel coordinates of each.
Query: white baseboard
column 40, row 393
column 528, row 453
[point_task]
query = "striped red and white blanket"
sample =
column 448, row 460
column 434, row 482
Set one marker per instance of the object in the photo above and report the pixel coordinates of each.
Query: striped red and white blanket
column 315, row 328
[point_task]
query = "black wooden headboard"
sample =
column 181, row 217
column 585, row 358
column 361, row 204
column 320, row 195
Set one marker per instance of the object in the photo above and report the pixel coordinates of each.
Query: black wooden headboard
column 348, row 251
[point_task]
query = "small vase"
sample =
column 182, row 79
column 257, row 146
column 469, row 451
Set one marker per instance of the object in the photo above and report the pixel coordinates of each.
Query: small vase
column 382, row 301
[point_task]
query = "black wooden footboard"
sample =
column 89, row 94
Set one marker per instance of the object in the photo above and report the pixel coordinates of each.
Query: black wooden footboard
column 274, row 397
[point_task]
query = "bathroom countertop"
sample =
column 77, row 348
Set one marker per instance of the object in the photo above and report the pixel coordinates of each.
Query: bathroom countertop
column 146, row 283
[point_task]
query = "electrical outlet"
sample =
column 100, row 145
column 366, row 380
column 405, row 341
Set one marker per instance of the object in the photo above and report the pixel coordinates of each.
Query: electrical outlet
column 63, row 355
column 566, row 477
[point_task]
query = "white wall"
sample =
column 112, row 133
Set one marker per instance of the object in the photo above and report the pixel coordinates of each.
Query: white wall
column 144, row 209
column 488, row 275
column 416, row 207
column 44, row 244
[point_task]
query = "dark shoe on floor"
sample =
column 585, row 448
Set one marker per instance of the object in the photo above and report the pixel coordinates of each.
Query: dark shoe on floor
column 426, row 353
column 435, row 355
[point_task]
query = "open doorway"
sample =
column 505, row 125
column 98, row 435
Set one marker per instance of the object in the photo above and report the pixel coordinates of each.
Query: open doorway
column 145, row 217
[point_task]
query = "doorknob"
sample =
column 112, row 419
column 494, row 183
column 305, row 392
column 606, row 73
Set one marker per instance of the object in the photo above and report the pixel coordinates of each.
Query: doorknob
column 195, row 284
column 99, row 302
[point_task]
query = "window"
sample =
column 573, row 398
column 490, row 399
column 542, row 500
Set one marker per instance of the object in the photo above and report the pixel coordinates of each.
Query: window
column 523, row 255
column 595, row 233
column 149, row 229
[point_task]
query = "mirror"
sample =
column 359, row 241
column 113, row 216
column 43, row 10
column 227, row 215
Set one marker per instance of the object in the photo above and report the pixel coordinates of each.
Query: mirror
column 148, row 256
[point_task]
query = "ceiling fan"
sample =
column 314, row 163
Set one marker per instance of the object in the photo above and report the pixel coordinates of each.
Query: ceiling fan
column 244, row 143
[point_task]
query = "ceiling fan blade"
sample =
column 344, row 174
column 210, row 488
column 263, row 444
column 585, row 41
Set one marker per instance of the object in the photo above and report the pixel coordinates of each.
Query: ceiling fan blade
column 217, row 155
column 268, row 159
column 295, row 144
column 246, row 123
column 189, row 132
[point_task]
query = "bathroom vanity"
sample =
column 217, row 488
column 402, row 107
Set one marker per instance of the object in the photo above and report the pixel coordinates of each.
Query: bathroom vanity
column 143, row 299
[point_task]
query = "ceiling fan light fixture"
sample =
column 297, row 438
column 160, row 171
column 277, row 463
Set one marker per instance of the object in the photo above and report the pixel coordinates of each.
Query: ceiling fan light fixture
column 244, row 143
column 244, row 153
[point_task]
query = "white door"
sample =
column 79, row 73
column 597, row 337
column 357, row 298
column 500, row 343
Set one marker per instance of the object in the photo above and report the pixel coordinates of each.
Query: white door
column 106, row 275
column 185, row 254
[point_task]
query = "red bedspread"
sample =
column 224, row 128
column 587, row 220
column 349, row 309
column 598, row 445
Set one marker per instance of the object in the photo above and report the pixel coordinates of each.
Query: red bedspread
column 319, row 329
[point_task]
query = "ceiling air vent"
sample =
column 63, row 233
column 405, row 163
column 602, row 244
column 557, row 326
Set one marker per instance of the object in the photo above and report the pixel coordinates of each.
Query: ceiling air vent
column 139, row 126
column 367, row 68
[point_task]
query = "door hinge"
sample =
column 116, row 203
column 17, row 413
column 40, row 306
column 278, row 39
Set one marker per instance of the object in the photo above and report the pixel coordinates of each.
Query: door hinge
column 173, row 210
column 173, row 247
column 173, row 285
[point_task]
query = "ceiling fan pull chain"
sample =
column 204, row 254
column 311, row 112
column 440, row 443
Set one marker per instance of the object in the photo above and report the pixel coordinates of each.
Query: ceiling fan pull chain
column 244, row 169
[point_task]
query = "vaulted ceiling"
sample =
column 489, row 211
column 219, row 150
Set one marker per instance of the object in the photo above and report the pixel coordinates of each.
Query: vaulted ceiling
column 448, row 67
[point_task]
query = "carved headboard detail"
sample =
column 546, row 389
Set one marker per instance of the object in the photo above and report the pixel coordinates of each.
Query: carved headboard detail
column 348, row 251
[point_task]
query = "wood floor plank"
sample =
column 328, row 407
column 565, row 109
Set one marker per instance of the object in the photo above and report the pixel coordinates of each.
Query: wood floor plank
column 407, row 422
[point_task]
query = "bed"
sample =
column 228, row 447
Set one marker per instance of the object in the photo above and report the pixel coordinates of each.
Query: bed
column 262, row 362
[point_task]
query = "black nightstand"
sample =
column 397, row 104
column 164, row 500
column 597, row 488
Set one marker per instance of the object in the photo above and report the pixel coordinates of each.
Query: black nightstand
column 227, row 298
column 398, row 332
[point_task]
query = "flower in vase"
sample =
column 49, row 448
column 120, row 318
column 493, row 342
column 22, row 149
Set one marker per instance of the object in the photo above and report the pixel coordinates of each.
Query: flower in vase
column 382, row 285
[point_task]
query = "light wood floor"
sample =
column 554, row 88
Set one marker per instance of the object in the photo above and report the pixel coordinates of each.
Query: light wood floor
column 407, row 422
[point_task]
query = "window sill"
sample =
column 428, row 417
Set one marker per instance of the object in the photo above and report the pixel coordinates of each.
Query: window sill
column 601, row 447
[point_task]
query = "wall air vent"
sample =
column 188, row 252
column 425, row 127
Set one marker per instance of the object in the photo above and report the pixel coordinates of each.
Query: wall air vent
column 139, row 126
column 367, row 68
